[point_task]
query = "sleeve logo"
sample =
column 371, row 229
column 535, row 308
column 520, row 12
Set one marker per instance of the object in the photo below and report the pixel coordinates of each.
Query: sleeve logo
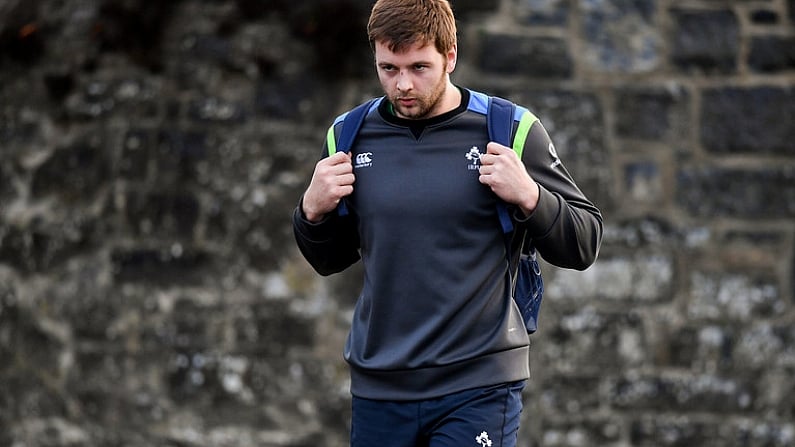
column 554, row 153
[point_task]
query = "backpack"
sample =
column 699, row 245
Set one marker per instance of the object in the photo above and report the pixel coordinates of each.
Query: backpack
column 527, row 284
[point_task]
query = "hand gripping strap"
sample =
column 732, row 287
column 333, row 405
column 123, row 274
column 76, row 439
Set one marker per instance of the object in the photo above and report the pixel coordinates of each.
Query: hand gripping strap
column 500, row 125
column 528, row 286
column 351, row 124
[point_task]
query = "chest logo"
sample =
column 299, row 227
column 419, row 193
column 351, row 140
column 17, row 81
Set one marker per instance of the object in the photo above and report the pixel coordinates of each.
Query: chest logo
column 483, row 439
column 474, row 158
column 363, row 160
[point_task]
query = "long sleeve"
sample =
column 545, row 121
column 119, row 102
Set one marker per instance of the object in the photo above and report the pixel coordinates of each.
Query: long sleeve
column 566, row 228
column 331, row 245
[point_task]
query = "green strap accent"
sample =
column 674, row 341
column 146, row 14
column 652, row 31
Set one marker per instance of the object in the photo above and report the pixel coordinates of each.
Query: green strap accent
column 527, row 121
column 331, row 141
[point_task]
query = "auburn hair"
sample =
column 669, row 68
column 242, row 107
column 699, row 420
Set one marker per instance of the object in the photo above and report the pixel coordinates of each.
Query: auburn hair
column 399, row 24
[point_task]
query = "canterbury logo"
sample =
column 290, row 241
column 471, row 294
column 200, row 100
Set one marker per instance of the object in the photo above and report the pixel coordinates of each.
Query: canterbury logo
column 363, row 160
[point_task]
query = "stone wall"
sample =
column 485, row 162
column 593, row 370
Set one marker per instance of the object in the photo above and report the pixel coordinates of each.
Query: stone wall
column 151, row 154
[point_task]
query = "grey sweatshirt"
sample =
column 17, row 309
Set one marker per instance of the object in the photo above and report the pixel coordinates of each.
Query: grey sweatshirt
column 435, row 313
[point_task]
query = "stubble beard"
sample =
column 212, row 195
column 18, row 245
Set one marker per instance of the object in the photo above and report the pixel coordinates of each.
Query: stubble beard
column 424, row 105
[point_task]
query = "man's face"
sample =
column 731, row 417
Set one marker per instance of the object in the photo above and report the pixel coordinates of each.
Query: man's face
column 414, row 80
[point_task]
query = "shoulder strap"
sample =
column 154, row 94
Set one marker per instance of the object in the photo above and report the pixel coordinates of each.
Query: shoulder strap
column 500, row 125
column 351, row 123
column 500, row 118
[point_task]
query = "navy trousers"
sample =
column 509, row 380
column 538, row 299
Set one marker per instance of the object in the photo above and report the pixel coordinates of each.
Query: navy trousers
column 480, row 417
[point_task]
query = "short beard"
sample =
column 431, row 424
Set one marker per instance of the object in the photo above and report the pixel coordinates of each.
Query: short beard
column 425, row 105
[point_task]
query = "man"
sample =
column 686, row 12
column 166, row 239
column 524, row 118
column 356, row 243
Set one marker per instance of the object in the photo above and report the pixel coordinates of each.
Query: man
column 438, row 352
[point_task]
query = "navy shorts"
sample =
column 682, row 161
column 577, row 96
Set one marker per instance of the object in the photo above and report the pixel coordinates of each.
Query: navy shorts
column 480, row 417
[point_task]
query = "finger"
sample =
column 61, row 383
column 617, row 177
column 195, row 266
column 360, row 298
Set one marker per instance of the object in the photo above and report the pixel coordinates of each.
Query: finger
column 334, row 166
column 338, row 158
column 344, row 191
column 341, row 169
column 496, row 148
column 346, row 180
column 491, row 158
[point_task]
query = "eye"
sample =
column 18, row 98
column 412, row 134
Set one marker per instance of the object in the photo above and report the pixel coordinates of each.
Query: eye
column 420, row 67
column 388, row 68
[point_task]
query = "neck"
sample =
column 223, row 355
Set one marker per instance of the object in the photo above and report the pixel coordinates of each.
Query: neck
column 451, row 98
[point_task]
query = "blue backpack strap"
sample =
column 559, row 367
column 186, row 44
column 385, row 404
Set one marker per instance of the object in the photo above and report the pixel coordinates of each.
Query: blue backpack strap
column 351, row 124
column 528, row 286
column 500, row 125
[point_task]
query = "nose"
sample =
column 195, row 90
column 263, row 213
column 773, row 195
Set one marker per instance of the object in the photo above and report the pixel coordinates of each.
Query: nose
column 404, row 83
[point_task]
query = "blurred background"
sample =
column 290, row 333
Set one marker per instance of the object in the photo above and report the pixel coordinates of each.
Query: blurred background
column 151, row 154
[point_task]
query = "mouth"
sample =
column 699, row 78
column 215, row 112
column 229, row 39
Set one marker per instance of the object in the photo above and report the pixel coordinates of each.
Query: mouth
column 407, row 102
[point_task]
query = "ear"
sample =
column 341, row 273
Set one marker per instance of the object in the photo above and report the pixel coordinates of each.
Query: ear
column 452, row 58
